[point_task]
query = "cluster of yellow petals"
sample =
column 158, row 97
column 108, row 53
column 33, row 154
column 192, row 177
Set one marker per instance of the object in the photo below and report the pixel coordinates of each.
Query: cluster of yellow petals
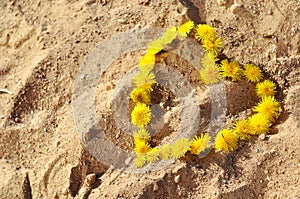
column 211, row 72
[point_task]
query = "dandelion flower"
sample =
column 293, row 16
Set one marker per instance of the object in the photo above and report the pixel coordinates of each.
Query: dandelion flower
column 141, row 95
column 199, row 144
column 226, row 140
column 180, row 147
column 140, row 160
column 141, row 115
column 265, row 88
column 144, row 78
column 169, row 36
column 147, row 60
column 252, row 73
column 204, row 32
column 185, row 29
column 230, row 69
column 268, row 107
column 208, row 59
column 152, row 155
column 141, row 147
column 141, row 135
column 243, row 129
column 155, row 46
column 165, row 152
column 259, row 124
column 212, row 46
column 209, row 73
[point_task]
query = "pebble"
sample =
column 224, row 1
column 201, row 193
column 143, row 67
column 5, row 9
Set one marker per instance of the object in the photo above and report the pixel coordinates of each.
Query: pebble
column 122, row 21
column 222, row 2
column 18, row 120
column 236, row 9
column 155, row 187
column 90, row 179
column 262, row 136
column 55, row 196
column 270, row 12
column 293, row 31
column 258, row 163
column 177, row 178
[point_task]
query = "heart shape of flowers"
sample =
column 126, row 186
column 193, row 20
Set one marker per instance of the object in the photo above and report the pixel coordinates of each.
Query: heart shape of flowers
column 264, row 114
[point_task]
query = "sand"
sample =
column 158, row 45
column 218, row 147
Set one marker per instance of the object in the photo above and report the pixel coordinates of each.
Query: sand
column 44, row 44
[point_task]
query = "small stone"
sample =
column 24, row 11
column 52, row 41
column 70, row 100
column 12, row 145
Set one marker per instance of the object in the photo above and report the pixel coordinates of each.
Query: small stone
column 258, row 163
column 293, row 31
column 270, row 12
column 90, row 179
column 18, row 120
column 262, row 136
column 122, row 21
column 222, row 2
column 55, row 196
column 155, row 187
column 117, row 135
column 177, row 178
column 236, row 9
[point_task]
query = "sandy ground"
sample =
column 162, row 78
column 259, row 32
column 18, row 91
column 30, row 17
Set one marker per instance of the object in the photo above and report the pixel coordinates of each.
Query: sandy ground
column 43, row 44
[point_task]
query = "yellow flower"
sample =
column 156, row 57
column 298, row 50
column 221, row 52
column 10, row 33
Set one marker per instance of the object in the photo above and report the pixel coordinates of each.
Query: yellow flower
column 144, row 78
column 243, row 129
column 230, row 69
column 259, row 124
column 265, row 88
column 141, row 135
column 165, row 152
column 152, row 155
column 140, row 160
column 180, row 147
column 141, row 95
column 212, row 46
column 269, row 107
column 209, row 73
column 155, row 46
column 208, row 59
column 141, row 147
column 199, row 144
column 147, row 60
column 141, row 115
column 169, row 36
column 185, row 29
column 204, row 32
column 226, row 140
column 252, row 73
